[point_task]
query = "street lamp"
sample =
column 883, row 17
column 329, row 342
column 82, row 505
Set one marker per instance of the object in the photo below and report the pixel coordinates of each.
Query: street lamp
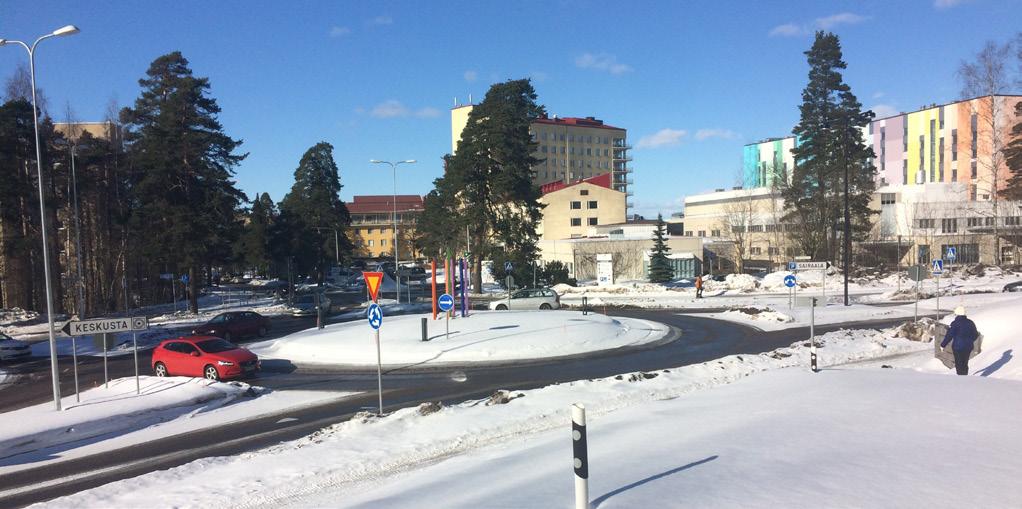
column 393, row 167
column 65, row 30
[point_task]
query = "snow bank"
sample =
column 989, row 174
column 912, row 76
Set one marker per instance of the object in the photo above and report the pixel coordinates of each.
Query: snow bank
column 483, row 336
column 759, row 314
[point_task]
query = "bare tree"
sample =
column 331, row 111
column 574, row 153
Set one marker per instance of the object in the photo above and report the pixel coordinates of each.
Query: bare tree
column 739, row 215
column 19, row 86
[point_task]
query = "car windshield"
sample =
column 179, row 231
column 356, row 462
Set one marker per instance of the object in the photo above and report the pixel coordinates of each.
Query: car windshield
column 215, row 345
column 5, row 337
column 219, row 318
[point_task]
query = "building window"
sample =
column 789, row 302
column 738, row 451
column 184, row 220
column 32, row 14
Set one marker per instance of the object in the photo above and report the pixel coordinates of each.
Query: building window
column 904, row 171
column 972, row 169
column 756, row 228
column 988, row 221
column 688, row 233
column 542, row 149
column 755, row 250
column 370, row 242
column 1012, row 221
column 923, row 257
column 927, row 223
column 592, row 221
column 966, row 253
column 940, row 158
column 383, row 242
column 973, row 123
column 972, row 192
column 592, row 204
column 738, row 228
column 933, row 150
column 974, row 221
column 773, row 251
column 904, row 135
column 576, row 205
column 887, row 198
column 922, row 157
column 702, row 233
column 715, row 233
column 576, row 221
column 941, row 115
column 954, row 174
column 369, row 231
column 770, row 228
column 954, row 144
column 949, row 225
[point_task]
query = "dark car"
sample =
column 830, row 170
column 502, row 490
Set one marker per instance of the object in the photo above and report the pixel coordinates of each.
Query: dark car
column 1013, row 287
column 234, row 324
column 205, row 356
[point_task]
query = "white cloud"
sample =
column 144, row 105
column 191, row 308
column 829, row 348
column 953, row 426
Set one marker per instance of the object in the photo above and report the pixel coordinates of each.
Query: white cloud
column 382, row 20
column 339, row 31
column 471, row 76
column 884, row 110
column 389, row 109
column 662, row 138
column 947, row 4
column 724, row 134
column 824, row 23
column 602, row 62
column 427, row 112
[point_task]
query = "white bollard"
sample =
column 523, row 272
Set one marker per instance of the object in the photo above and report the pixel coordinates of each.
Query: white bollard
column 581, row 456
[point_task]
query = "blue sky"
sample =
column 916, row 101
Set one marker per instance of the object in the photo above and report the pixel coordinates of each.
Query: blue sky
column 691, row 81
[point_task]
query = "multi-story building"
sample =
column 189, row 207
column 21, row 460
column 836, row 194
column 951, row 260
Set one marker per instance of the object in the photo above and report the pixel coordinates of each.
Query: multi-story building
column 106, row 130
column 372, row 224
column 572, row 210
column 569, row 148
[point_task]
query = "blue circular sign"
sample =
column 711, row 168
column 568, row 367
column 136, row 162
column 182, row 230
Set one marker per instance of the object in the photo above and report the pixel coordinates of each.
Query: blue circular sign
column 789, row 280
column 375, row 315
column 446, row 302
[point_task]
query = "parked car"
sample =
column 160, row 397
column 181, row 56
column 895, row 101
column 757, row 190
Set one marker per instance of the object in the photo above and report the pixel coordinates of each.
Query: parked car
column 206, row 356
column 305, row 305
column 234, row 324
column 530, row 298
column 11, row 348
column 1013, row 287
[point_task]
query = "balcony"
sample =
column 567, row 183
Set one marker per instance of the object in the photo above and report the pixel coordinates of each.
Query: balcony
column 622, row 158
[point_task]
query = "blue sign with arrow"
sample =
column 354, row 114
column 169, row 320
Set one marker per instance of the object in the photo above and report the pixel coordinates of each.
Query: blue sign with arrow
column 184, row 278
column 375, row 315
column 445, row 302
column 789, row 280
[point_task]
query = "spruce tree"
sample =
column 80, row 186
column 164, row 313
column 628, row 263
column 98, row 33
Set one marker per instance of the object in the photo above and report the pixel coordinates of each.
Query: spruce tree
column 186, row 205
column 254, row 248
column 829, row 145
column 660, row 270
column 491, row 175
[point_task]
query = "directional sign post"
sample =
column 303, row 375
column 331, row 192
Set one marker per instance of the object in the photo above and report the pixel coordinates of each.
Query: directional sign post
column 951, row 255
column 446, row 303
column 811, row 303
column 375, row 315
column 508, row 267
column 938, row 269
column 789, row 281
column 133, row 324
column 821, row 266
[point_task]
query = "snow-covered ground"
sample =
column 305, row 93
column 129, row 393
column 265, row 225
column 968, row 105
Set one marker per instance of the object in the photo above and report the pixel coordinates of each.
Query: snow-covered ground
column 482, row 336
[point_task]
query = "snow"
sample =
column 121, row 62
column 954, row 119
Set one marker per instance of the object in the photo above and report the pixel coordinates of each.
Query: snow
column 482, row 336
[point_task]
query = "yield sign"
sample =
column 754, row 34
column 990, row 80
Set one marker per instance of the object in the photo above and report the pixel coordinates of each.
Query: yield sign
column 373, row 280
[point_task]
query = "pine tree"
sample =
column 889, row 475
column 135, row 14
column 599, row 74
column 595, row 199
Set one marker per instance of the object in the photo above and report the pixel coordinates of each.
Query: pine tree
column 491, row 175
column 313, row 209
column 254, row 246
column 829, row 145
column 440, row 229
column 186, row 213
column 660, row 270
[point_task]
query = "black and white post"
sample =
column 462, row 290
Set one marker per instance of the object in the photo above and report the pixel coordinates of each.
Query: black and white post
column 812, row 336
column 581, row 456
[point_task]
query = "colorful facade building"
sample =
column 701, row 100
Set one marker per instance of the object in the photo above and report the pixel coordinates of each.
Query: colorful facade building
column 372, row 224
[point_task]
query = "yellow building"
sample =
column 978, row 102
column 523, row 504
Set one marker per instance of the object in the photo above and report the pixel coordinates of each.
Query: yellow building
column 572, row 210
column 372, row 225
column 100, row 130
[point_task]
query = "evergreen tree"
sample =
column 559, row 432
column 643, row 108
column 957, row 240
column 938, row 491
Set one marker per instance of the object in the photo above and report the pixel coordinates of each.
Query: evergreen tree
column 1013, row 157
column 255, row 241
column 185, row 202
column 491, row 175
column 439, row 224
column 829, row 146
column 312, row 210
column 660, row 270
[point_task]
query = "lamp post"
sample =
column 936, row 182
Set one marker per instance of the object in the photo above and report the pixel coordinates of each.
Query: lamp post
column 66, row 30
column 393, row 167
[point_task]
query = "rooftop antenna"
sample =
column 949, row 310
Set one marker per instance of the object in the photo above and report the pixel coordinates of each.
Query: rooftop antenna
column 455, row 102
column 470, row 98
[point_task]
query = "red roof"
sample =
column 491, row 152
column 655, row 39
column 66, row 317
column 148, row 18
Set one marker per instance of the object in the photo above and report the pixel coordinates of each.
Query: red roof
column 602, row 180
column 575, row 121
column 384, row 203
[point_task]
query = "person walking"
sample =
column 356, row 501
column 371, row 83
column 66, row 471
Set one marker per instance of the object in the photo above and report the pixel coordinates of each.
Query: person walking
column 699, row 287
column 962, row 335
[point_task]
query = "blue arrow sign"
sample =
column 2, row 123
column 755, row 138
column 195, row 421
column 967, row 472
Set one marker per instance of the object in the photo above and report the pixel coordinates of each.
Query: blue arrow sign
column 952, row 253
column 789, row 280
column 375, row 315
column 446, row 302
column 184, row 278
column 938, row 267
column 508, row 267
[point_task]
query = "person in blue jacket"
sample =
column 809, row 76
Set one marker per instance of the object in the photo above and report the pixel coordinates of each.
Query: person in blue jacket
column 962, row 335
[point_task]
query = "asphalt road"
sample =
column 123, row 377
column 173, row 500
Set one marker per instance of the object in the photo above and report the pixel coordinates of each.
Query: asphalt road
column 695, row 340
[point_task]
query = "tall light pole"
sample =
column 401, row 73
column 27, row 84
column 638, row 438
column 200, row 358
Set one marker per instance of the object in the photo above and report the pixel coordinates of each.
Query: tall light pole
column 393, row 167
column 66, row 30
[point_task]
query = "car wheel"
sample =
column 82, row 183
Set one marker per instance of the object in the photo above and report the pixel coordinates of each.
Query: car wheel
column 262, row 332
column 209, row 372
column 160, row 369
column 545, row 306
column 501, row 307
column 227, row 336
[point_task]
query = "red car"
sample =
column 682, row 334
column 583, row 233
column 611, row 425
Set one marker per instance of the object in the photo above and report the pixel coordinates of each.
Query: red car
column 206, row 356
column 234, row 324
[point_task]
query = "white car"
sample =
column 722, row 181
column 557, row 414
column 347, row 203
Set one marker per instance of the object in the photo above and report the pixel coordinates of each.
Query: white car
column 11, row 348
column 531, row 298
column 305, row 305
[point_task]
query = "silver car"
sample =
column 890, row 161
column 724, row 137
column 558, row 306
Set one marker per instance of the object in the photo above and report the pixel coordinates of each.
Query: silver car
column 305, row 305
column 11, row 348
column 530, row 298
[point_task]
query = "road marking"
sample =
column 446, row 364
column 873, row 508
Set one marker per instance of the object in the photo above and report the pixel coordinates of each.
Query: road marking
column 287, row 419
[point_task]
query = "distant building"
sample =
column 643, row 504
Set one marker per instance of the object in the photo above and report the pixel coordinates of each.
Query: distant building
column 573, row 210
column 106, row 130
column 372, row 224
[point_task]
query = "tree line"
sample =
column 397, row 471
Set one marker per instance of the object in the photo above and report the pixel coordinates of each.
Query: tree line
column 153, row 194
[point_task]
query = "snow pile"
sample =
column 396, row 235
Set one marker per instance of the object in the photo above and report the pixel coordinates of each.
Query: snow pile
column 16, row 315
column 264, row 282
column 760, row 314
column 484, row 336
column 116, row 409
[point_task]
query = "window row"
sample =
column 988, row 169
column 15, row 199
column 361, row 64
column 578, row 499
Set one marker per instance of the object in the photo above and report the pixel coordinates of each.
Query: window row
column 577, row 221
column 577, row 205
column 571, row 138
column 575, row 163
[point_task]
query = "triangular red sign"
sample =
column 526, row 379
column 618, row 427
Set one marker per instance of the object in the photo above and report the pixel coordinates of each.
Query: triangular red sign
column 373, row 280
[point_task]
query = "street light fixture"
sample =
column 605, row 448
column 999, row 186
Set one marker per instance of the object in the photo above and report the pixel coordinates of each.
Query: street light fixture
column 65, row 30
column 393, row 167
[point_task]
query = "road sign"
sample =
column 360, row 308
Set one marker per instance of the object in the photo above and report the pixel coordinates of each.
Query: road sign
column 811, row 265
column 508, row 267
column 446, row 302
column 792, row 266
column 938, row 267
column 375, row 315
column 952, row 253
column 917, row 273
column 809, row 302
column 789, row 280
column 166, row 276
column 107, row 325
column 373, row 280
column 184, row 278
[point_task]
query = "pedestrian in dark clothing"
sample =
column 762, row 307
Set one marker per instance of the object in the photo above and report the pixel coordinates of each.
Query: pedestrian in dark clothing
column 962, row 335
column 699, row 287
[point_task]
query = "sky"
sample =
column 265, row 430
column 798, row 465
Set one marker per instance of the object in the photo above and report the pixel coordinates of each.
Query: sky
column 691, row 81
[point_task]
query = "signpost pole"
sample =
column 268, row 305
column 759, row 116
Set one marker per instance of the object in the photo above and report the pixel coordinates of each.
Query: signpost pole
column 134, row 342
column 824, row 285
column 106, row 373
column 915, row 317
column 173, row 292
column 812, row 334
column 509, row 292
column 379, row 371
column 74, row 360
column 432, row 268
column 938, row 296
